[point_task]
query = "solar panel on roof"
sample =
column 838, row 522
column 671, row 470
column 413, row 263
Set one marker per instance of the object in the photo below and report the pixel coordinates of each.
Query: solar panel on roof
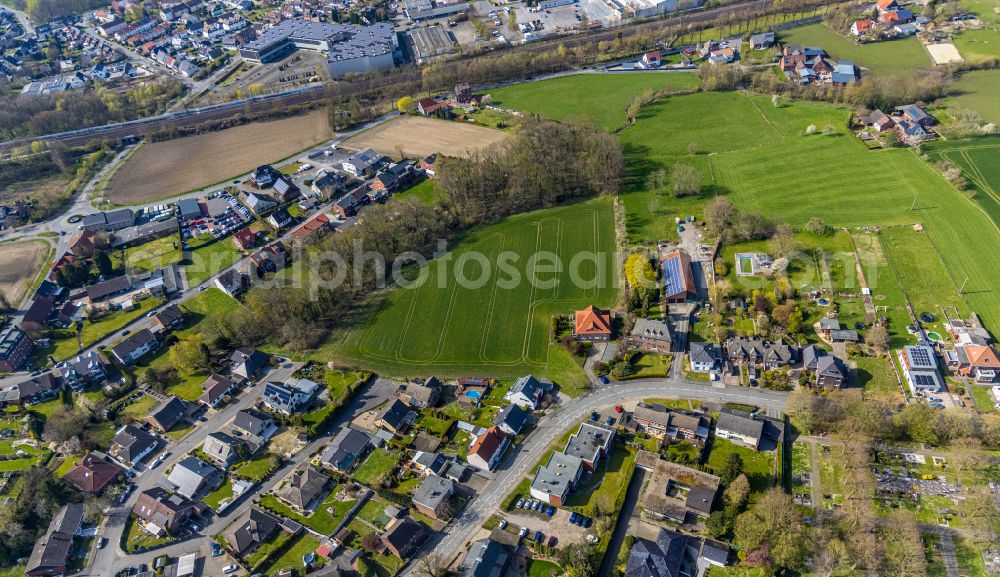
column 673, row 278
column 921, row 380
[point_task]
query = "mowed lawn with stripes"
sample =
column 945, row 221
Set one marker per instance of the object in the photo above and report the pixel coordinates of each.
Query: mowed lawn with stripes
column 496, row 321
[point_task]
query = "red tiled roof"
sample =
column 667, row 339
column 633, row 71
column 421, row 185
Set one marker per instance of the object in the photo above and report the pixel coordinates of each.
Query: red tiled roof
column 593, row 321
column 487, row 444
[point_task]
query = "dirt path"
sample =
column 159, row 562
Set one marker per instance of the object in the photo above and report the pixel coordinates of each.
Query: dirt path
column 814, row 477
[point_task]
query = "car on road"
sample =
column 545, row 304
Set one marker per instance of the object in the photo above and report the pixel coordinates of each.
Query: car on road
column 150, row 313
column 102, row 542
column 126, row 332
column 604, row 380
column 229, row 569
column 522, row 532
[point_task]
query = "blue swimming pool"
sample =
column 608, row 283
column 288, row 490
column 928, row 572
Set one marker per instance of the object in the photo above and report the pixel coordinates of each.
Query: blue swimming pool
column 473, row 394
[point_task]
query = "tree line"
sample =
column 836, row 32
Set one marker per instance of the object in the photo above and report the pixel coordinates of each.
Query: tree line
column 544, row 164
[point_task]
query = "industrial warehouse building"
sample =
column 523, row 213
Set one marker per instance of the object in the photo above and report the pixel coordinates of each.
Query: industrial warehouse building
column 349, row 49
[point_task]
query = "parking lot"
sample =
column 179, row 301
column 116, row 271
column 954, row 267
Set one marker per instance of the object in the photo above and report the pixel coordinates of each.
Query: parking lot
column 558, row 524
column 224, row 220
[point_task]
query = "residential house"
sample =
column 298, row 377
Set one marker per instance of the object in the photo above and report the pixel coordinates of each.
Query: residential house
column 915, row 114
column 169, row 318
column 93, row 473
column 394, row 177
column 104, row 289
column 263, row 176
column 51, row 553
column 887, row 6
column 722, row 55
column 650, row 336
column 37, row 317
column 109, row 221
column 348, row 205
column 896, row 17
column 433, row 497
column 192, row 476
column 245, row 238
column 163, row 512
column 911, row 132
column 667, row 556
column 421, row 395
column 363, row 163
column 290, row 396
column 511, row 419
column 267, row 260
column 740, row 428
column 284, row 190
column 487, row 449
column 232, row 282
column 259, row 203
column 830, row 373
column 328, row 184
column 590, row 443
column 303, row 487
column 429, row 106
column 528, row 392
column 487, row 558
column 762, row 41
column 166, row 414
column 919, row 364
column 705, row 357
column 689, row 426
column 280, row 219
column 135, row 346
column 396, row 417
column 248, row 363
column 844, row 73
column 674, row 492
column 554, row 481
column 678, row 280
column 879, row 120
column 131, row 444
column 753, row 351
column 650, row 60
column 980, row 362
column 215, row 389
column 254, row 427
column 320, row 222
column 592, row 324
column 31, row 391
column 427, row 463
column 463, row 93
column 222, row 448
column 346, row 450
column 654, row 420
column 84, row 370
column 250, row 530
column 15, row 348
column 403, row 537
column 427, row 164
column 862, row 27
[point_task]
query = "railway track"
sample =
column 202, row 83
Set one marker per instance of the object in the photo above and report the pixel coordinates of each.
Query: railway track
column 308, row 95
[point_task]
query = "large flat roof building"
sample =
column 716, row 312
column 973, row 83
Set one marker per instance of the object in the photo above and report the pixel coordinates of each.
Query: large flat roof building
column 348, row 48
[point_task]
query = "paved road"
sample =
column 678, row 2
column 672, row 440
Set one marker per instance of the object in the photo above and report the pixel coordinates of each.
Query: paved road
column 551, row 427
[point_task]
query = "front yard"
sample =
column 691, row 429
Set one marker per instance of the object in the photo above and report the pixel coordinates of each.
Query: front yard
column 139, row 540
column 258, row 468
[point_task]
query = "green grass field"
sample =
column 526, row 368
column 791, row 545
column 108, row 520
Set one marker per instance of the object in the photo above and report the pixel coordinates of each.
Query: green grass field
column 426, row 192
column 154, row 254
column 324, row 519
column 757, row 466
column 896, row 58
column 378, row 466
column 208, row 260
column 983, row 44
column 601, row 98
column 486, row 324
column 927, row 282
column 977, row 91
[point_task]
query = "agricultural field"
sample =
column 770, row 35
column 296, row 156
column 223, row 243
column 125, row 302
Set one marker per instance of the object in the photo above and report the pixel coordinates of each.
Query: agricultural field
column 20, row 264
column 165, row 169
column 485, row 323
column 421, row 136
column 977, row 91
column 600, row 98
column 897, row 58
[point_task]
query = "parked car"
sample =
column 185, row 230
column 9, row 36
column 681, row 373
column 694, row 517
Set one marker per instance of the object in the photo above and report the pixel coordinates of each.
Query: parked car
column 522, row 532
column 604, row 380
column 572, row 518
column 592, row 538
column 520, row 504
column 553, row 540
column 550, row 511
column 102, row 542
column 229, row 569
column 586, row 522
column 538, row 537
column 503, row 524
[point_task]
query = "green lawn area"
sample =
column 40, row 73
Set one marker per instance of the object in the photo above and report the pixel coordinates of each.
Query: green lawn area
column 425, row 191
column 876, row 374
column 491, row 327
column 208, row 260
column 758, row 466
column 984, row 44
column 302, row 544
column 373, row 510
column 34, row 457
column 984, row 398
column 650, row 366
column 606, row 488
column 322, row 520
column 564, row 370
column 539, row 568
column 224, row 492
column 138, row 538
column 64, row 342
column 256, row 558
column 387, row 565
column 601, row 98
column 434, row 426
column 977, row 91
column 154, row 254
column 831, row 473
column 896, row 58
column 378, row 466
column 257, row 468
column 139, row 408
